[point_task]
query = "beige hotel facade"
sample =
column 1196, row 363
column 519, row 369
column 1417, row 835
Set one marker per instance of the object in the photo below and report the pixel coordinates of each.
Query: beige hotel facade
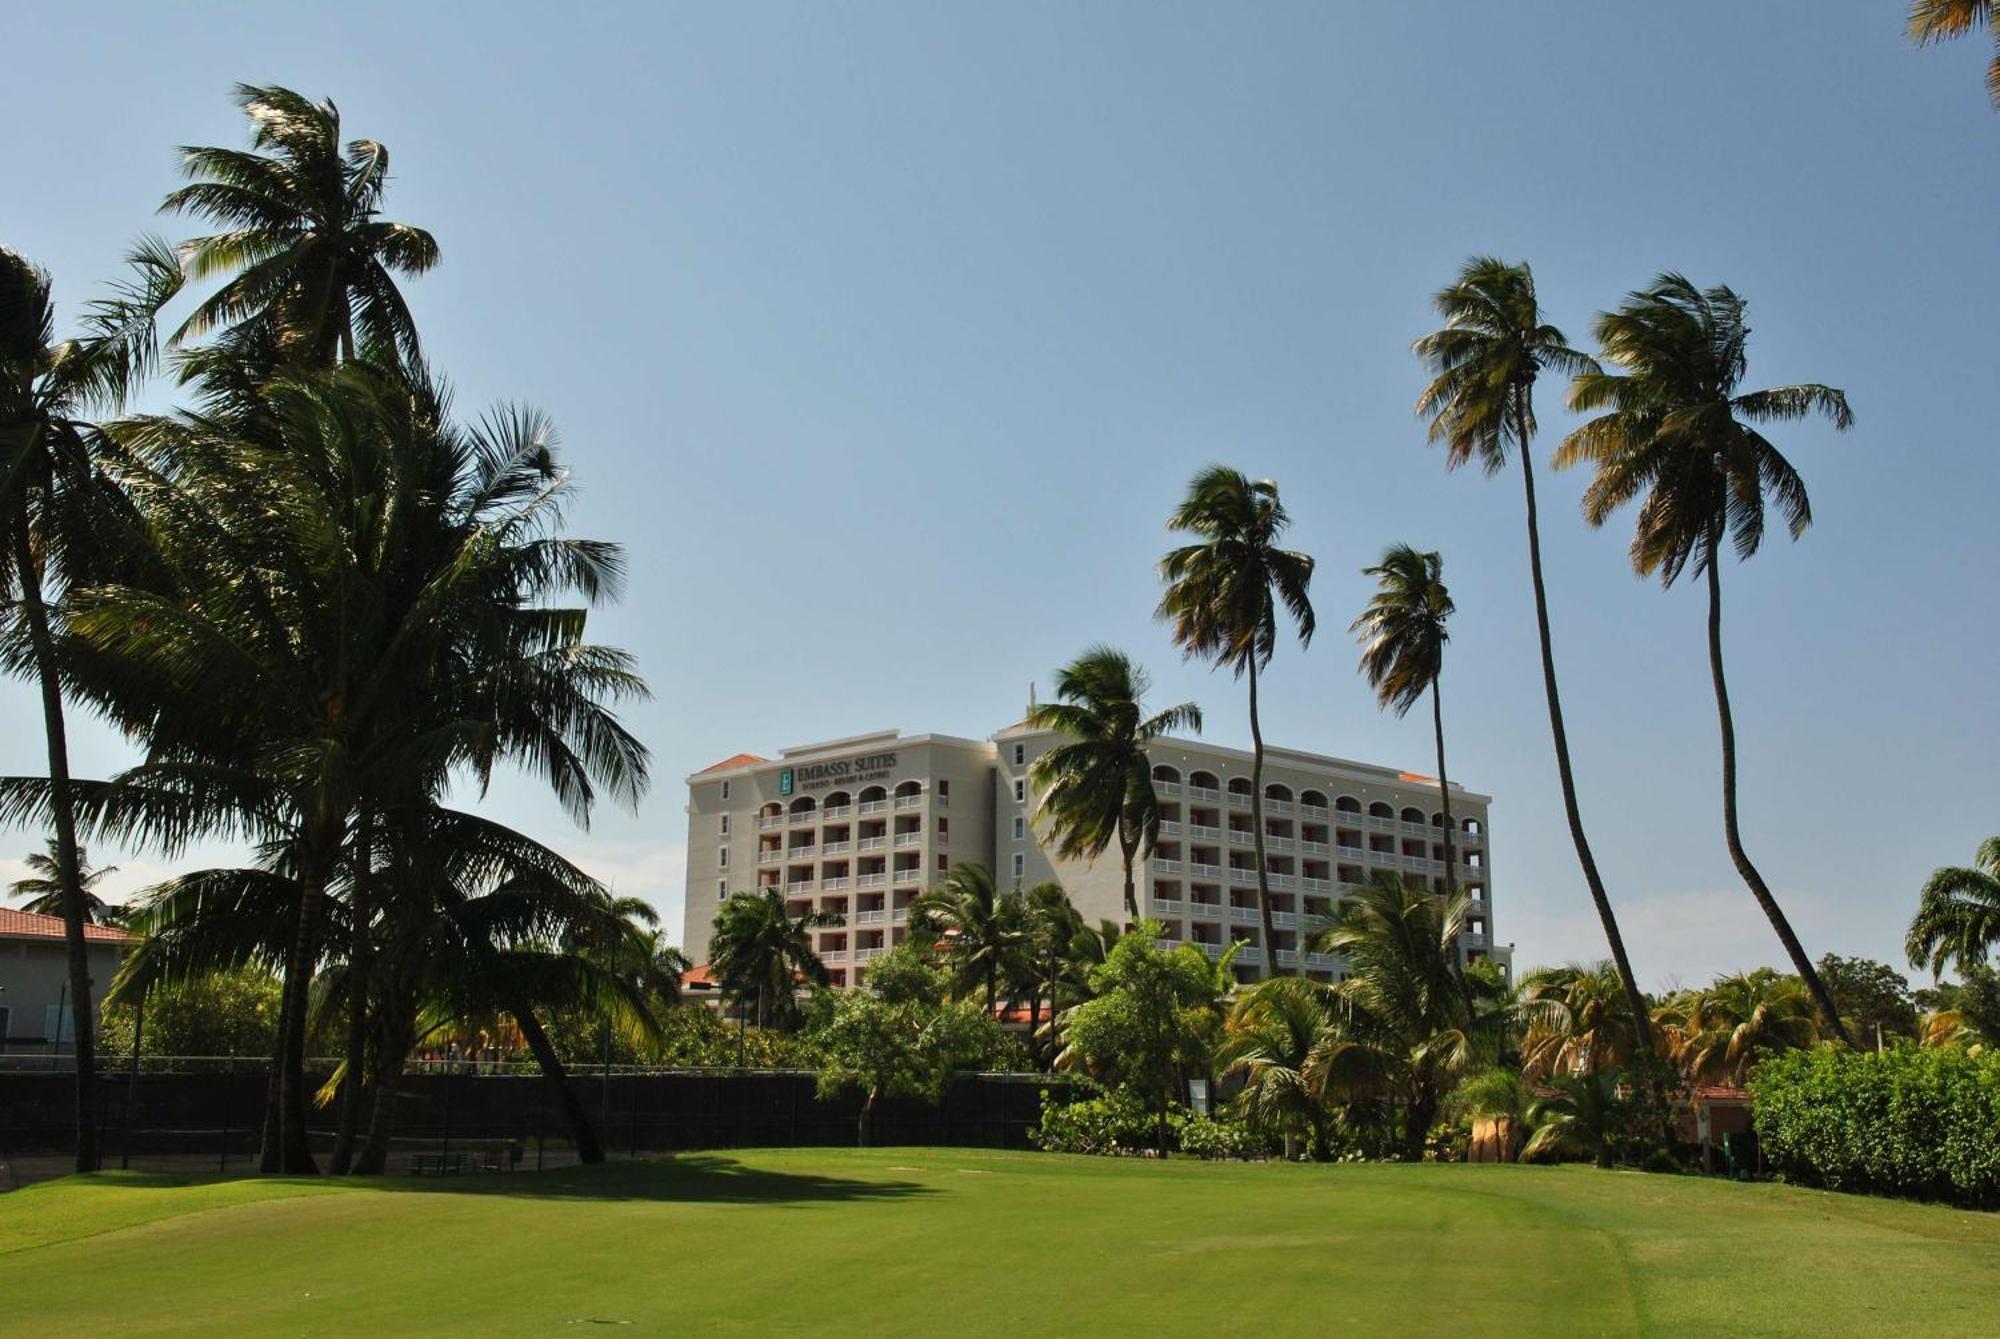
column 864, row 824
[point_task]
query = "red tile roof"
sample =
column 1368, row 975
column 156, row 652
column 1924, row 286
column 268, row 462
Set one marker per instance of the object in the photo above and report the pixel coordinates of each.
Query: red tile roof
column 28, row 925
column 729, row 764
column 701, row 974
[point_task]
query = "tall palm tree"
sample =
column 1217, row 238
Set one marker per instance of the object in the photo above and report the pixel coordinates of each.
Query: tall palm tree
column 43, row 888
column 1958, row 914
column 55, row 509
column 1096, row 787
column 1273, row 1032
column 1402, row 653
column 1416, row 1021
column 1676, row 427
column 1717, row 1033
column 1937, row 20
column 759, row 949
column 1481, row 404
column 1224, row 596
column 1575, row 1021
column 309, row 256
column 1048, row 971
column 985, row 931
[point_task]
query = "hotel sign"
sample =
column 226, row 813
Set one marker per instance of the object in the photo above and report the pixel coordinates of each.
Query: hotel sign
column 843, row 771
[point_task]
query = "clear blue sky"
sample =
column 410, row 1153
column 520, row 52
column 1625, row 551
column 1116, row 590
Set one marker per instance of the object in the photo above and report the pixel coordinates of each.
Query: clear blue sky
column 884, row 337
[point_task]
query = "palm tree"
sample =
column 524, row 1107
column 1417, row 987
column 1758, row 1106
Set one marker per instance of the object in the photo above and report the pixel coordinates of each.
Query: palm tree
column 1676, row 428
column 1097, row 786
column 759, row 949
column 1576, row 1021
column 1481, row 404
column 1273, row 1033
column 1958, row 916
column 1716, row 1034
column 43, row 888
column 55, row 509
column 986, row 931
column 1047, row 969
column 1416, row 1021
column 1223, row 597
column 1936, row 20
column 1580, row 1117
column 311, row 260
column 1402, row 637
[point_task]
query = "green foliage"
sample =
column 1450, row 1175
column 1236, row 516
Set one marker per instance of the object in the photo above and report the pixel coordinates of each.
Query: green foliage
column 223, row 1013
column 1117, row 1122
column 1914, row 1121
column 1217, row 1140
column 1870, row 996
column 907, row 1049
column 909, row 974
column 1971, row 1004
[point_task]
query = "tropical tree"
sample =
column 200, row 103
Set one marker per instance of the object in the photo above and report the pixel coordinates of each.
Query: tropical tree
column 1224, row 597
column 1937, row 20
column 1716, row 1034
column 1273, row 1033
column 42, row 890
column 1873, row 998
column 1958, row 914
column 985, row 932
column 901, row 1049
column 759, row 950
column 1416, row 1021
column 1484, row 363
column 1048, row 969
column 56, row 511
column 1575, row 1020
column 1674, row 426
column 1581, row 1116
column 1402, row 653
column 311, row 262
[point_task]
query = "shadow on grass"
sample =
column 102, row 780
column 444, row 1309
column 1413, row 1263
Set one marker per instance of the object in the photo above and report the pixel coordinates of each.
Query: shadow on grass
column 690, row 1178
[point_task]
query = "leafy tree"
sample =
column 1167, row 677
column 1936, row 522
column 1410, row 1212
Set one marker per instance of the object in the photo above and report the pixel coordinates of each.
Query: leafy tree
column 1938, row 20
column 1481, row 404
column 1581, row 1117
column 984, row 932
column 219, row 1013
column 1958, row 914
column 1965, row 1012
column 312, row 261
column 1274, row 1031
column 1719, row 1033
column 1096, row 787
column 1049, row 968
column 55, row 510
column 1224, row 596
column 42, row 891
column 905, row 1049
column 1402, row 638
column 909, row 974
column 1676, row 428
column 1872, row 996
column 758, row 950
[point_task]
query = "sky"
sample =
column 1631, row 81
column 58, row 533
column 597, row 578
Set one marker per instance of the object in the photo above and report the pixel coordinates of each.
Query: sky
column 885, row 336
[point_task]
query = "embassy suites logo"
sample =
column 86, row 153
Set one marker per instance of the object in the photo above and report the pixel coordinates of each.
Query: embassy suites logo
column 820, row 775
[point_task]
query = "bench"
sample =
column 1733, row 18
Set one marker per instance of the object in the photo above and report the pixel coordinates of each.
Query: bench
column 436, row 1164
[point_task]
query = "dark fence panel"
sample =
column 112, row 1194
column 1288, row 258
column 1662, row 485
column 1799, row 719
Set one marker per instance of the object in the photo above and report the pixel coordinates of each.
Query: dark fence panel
column 190, row 1120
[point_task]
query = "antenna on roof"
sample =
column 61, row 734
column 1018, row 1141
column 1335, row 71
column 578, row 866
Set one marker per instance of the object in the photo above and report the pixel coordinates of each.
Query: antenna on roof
column 1031, row 697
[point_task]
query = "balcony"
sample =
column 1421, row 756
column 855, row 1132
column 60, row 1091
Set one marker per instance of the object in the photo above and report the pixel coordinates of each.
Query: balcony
column 797, row 886
column 1197, row 871
column 769, row 821
column 1200, row 833
column 1316, row 885
column 1204, row 793
column 1166, row 787
column 1413, row 829
column 1238, row 799
column 804, row 818
column 1284, row 920
column 1279, row 843
column 870, row 917
column 836, row 848
column 911, row 875
column 1207, row 910
column 1169, row 828
column 1243, row 874
column 832, row 812
column 1242, row 837
column 1167, row 867
column 1247, row 915
column 836, row 883
column 1350, row 852
column 770, row 857
column 905, row 840
column 833, row 955
column 1165, row 906
column 909, row 802
column 1251, row 955
column 872, row 807
column 899, row 915
column 1381, row 822
column 877, row 880
column 1281, row 880
column 801, row 854
column 869, row 954
column 872, row 844
column 1315, row 848
column 1322, row 960
column 1280, row 807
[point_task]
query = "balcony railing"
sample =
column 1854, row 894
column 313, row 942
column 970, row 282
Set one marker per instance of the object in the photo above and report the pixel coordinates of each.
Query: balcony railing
column 872, row 807
column 802, row 818
column 872, row 844
column 1242, row 837
column 909, row 801
column 1315, row 848
column 1204, row 793
column 899, row 915
column 1315, row 813
column 876, row 880
column 836, row 883
column 869, row 954
column 909, row 839
column 1250, row 954
column 1166, row 787
column 1165, row 906
column 1167, row 866
column 913, row 874
column 1272, row 843
column 1169, row 828
column 833, row 955
column 1279, row 807
column 1200, row 871
column 834, row 811
column 876, row 917
column 1316, row 885
column 1382, row 822
column 770, row 857
column 800, row 854
column 835, row 848
column 1414, row 829
column 771, row 821
column 1239, row 799
column 1212, row 910
column 1201, row 833
column 797, row 886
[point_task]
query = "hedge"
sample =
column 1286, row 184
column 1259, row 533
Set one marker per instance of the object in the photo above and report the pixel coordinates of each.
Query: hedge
column 1914, row 1121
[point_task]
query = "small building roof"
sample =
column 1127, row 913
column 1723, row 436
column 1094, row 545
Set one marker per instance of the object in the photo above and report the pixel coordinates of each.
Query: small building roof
column 31, row 925
column 732, row 763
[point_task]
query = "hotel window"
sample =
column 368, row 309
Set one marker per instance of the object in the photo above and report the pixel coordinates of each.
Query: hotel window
column 1020, row 864
column 721, row 890
column 944, row 827
column 944, row 863
column 943, row 789
column 1020, row 828
column 1020, row 754
column 725, row 790
column 725, row 825
column 1020, row 792
column 722, row 858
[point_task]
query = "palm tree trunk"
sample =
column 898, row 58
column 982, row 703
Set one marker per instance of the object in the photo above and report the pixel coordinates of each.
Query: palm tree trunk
column 294, row 1153
column 83, row 1038
column 587, row 1148
column 867, row 1118
column 1257, row 839
column 1751, row 878
column 1127, row 848
column 1444, row 794
column 1635, row 999
column 359, row 974
column 392, row 1048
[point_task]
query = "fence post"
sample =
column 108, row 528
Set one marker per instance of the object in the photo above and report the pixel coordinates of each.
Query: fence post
column 447, row 1116
column 538, row 1126
column 228, row 1071
column 132, row 1082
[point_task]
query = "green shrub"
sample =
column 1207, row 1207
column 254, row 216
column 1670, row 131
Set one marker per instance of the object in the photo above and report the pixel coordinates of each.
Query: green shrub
column 1117, row 1122
column 1216, row 1140
column 1915, row 1121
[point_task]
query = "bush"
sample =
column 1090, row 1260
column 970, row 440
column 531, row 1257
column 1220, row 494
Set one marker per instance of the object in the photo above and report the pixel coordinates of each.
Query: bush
column 1915, row 1121
column 1203, row 1137
column 1117, row 1122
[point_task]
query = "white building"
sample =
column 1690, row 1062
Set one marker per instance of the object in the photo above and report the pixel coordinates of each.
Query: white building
column 862, row 825
column 34, row 977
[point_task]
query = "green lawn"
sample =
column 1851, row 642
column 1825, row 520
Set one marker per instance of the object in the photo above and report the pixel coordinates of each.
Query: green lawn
column 931, row 1241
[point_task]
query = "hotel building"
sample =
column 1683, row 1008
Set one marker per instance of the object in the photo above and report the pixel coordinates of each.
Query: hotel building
column 862, row 825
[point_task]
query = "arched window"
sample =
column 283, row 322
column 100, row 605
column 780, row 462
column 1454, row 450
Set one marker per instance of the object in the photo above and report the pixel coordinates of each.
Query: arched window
column 802, row 808
column 1380, row 810
column 909, row 788
column 1281, row 793
column 1412, row 814
column 837, row 800
column 1239, row 785
column 1204, row 781
column 1166, row 773
column 1347, row 804
column 1312, row 799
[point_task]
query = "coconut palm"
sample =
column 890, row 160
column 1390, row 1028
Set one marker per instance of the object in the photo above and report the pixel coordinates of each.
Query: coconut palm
column 1958, row 914
column 42, row 890
column 1096, row 787
column 1224, row 597
column 759, row 950
column 1937, row 20
column 1273, row 1032
column 985, row 932
column 1402, row 653
column 1046, row 969
column 1481, row 404
column 1415, row 1021
column 1579, row 1117
column 1716, row 1034
column 55, row 512
column 1575, row 1020
column 309, row 257
column 1674, row 426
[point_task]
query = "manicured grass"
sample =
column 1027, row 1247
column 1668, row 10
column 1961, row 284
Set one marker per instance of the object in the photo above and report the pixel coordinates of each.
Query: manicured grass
column 936, row 1241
